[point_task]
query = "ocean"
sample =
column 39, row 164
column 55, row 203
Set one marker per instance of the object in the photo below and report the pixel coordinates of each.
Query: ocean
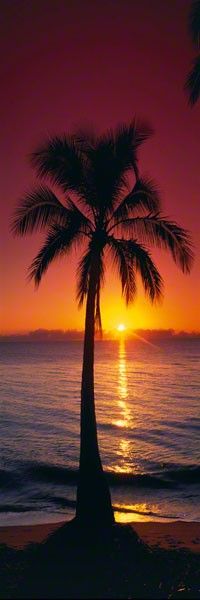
column 147, row 406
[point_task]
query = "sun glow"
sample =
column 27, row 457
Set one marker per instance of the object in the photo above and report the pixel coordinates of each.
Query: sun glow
column 121, row 327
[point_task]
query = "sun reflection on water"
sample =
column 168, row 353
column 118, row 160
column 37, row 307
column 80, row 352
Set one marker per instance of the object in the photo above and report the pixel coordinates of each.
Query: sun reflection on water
column 124, row 412
column 127, row 513
column 124, row 421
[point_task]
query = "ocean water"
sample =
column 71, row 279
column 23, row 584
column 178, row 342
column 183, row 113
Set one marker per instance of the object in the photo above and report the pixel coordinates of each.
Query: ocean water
column 147, row 406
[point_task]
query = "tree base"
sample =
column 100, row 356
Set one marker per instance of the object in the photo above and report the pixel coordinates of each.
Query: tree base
column 94, row 507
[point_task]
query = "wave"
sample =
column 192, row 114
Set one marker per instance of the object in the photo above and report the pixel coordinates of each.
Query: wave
column 66, row 503
column 184, row 474
column 143, row 480
column 12, row 508
column 52, row 473
column 59, row 500
column 59, row 475
column 146, row 513
column 63, row 476
column 8, row 478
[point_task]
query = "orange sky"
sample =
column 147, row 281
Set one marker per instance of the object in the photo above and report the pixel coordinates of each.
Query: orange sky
column 72, row 63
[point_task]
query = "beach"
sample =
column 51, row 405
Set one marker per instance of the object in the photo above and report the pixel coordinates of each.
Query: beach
column 169, row 535
column 60, row 560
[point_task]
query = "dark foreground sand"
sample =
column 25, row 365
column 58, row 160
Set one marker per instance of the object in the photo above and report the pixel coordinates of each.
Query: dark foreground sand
column 144, row 560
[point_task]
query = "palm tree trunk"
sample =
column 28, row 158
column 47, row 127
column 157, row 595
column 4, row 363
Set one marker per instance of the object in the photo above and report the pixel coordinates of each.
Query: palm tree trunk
column 93, row 497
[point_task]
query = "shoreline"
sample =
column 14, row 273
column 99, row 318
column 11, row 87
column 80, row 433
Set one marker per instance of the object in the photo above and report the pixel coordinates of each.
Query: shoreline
column 169, row 535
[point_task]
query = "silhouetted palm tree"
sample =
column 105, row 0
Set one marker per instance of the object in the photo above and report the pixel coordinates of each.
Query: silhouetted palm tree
column 103, row 216
column 192, row 84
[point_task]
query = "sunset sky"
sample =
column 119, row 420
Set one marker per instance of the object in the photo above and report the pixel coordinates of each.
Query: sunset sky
column 68, row 63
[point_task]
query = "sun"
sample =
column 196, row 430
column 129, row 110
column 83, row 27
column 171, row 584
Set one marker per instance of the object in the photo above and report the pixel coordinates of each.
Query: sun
column 121, row 327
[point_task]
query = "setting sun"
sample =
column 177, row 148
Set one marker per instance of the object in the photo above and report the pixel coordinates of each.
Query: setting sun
column 121, row 327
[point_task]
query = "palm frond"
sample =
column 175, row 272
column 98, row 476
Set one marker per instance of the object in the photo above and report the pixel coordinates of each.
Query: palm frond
column 83, row 274
column 150, row 276
column 98, row 321
column 75, row 215
column 128, row 138
column 194, row 22
column 84, row 269
column 192, row 84
column 61, row 160
column 95, row 169
column 144, row 196
column 110, row 157
column 106, row 175
column 86, row 138
column 133, row 257
column 125, row 266
column 160, row 232
column 100, row 282
column 39, row 208
column 58, row 242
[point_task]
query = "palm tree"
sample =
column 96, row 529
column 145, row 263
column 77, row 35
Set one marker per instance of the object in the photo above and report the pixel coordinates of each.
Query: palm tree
column 106, row 219
column 192, row 84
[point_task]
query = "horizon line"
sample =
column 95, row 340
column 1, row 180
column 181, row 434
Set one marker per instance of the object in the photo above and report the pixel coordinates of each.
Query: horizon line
column 64, row 333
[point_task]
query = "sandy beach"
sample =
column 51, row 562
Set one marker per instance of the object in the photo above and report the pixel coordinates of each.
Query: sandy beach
column 59, row 560
column 170, row 535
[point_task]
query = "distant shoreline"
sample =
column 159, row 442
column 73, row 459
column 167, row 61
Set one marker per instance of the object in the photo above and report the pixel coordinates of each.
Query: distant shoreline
column 43, row 335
